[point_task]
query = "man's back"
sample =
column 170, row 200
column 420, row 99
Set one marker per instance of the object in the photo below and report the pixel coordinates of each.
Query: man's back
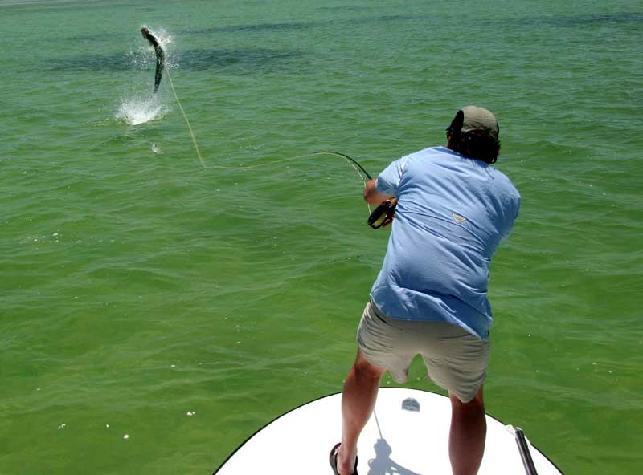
column 452, row 214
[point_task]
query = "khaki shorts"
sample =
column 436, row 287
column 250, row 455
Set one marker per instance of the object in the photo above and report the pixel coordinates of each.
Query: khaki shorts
column 456, row 360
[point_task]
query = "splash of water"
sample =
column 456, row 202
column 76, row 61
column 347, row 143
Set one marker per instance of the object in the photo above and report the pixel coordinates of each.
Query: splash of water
column 139, row 110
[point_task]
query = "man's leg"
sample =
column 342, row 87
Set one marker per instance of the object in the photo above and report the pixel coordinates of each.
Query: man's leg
column 358, row 401
column 467, row 434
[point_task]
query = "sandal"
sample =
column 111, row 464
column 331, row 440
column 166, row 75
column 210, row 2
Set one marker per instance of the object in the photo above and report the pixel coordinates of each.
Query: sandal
column 334, row 452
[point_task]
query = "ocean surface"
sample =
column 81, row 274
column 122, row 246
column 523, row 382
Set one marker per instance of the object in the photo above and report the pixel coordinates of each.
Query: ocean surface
column 157, row 307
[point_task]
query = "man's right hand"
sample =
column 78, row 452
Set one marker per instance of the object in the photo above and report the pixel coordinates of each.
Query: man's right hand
column 371, row 195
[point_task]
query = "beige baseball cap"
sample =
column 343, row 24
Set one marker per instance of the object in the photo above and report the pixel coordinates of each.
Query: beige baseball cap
column 478, row 118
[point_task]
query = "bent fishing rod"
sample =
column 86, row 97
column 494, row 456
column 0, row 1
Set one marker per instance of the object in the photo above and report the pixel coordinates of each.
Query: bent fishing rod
column 384, row 213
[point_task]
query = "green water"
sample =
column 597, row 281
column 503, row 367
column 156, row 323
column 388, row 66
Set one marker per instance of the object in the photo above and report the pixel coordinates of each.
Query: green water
column 137, row 286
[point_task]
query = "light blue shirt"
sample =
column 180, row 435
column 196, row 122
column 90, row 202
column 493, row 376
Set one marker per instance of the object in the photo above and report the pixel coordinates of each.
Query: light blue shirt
column 451, row 215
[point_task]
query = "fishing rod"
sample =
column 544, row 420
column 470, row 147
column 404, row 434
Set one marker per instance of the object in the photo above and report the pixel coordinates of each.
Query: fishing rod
column 360, row 169
column 384, row 213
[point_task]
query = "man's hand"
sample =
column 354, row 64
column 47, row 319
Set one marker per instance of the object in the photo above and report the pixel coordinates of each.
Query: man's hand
column 371, row 195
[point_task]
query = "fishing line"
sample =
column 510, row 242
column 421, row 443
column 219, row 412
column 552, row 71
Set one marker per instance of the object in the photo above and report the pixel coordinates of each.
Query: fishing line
column 187, row 122
column 361, row 171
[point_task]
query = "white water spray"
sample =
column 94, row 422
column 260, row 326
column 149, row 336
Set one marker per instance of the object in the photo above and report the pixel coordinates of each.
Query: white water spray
column 139, row 110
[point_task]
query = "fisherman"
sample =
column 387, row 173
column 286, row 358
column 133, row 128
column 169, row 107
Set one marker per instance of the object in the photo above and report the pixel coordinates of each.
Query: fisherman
column 160, row 56
column 430, row 297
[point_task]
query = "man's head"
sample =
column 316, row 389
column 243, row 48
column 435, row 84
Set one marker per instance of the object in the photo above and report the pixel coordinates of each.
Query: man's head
column 145, row 31
column 474, row 133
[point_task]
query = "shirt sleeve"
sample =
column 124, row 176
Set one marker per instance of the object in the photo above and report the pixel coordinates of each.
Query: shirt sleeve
column 388, row 182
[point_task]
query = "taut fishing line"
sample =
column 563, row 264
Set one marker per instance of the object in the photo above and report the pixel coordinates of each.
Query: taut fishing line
column 381, row 216
column 361, row 171
column 187, row 122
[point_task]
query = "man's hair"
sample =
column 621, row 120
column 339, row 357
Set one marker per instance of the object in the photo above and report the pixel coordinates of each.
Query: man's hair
column 476, row 144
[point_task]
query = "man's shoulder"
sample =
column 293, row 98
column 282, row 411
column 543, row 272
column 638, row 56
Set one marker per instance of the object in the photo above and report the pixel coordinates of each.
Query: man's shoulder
column 430, row 152
column 425, row 155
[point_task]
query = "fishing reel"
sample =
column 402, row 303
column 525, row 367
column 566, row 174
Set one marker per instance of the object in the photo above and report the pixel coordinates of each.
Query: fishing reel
column 383, row 215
